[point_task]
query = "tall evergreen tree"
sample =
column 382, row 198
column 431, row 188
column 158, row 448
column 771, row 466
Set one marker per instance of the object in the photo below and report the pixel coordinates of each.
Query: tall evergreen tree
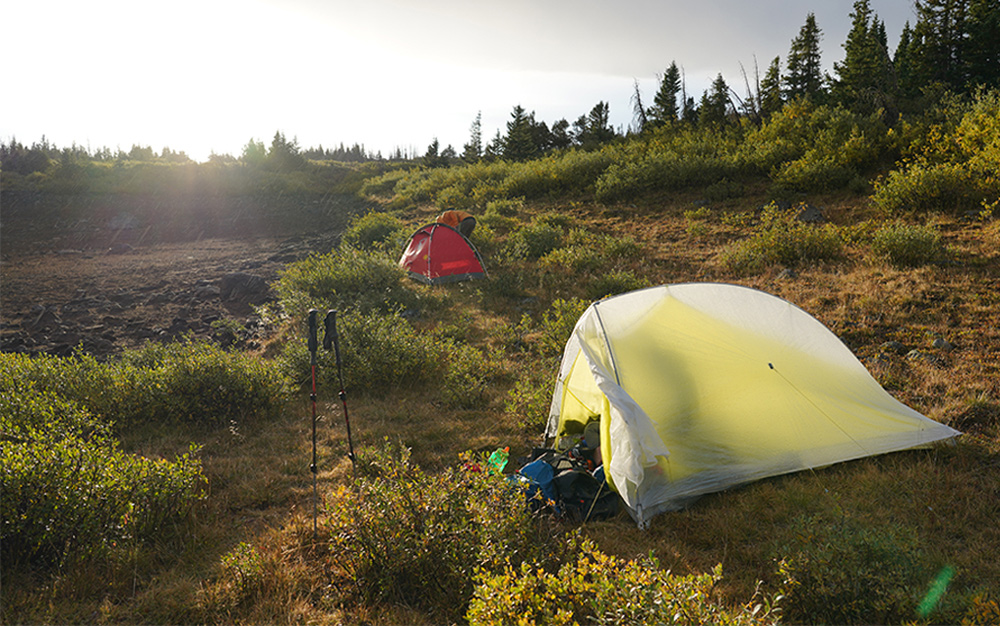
column 714, row 104
column 904, row 64
column 770, row 89
column 665, row 109
column 519, row 144
column 594, row 129
column 940, row 39
column 560, row 135
column 473, row 150
column 983, row 51
column 805, row 77
column 864, row 79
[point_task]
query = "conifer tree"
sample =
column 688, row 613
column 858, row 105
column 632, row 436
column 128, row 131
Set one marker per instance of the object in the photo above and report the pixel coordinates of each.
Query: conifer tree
column 560, row 135
column 865, row 82
column 770, row 89
column 472, row 151
column 904, row 64
column 519, row 144
column 805, row 78
column 983, row 51
column 940, row 40
column 665, row 109
column 714, row 104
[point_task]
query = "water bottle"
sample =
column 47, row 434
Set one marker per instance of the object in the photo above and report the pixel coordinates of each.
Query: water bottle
column 498, row 460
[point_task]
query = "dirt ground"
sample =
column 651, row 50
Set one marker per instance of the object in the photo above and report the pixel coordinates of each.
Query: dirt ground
column 114, row 283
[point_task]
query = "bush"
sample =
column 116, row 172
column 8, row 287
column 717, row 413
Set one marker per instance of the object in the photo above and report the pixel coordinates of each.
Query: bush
column 596, row 588
column 402, row 535
column 952, row 163
column 847, row 572
column 614, row 283
column 557, row 325
column 344, row 280
column 585, row 251
column 189, row 382
column 781, row 238
column 375, row 232
column 67, row 490
column 534, row 241
column 379, row 353
column 468, row 378
column 907, row 245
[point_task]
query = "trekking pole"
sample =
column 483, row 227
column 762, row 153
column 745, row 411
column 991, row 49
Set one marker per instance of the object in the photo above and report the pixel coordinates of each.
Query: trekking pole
column 313, row 345
column 330, row 338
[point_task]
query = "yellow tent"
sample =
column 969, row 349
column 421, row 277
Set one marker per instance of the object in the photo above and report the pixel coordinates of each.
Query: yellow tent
column 700, row 387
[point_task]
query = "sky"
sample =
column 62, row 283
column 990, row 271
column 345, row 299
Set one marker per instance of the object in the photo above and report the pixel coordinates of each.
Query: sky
column 204, row 76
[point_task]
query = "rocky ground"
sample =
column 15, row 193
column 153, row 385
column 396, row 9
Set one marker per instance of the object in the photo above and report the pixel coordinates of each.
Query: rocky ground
column 106, row 287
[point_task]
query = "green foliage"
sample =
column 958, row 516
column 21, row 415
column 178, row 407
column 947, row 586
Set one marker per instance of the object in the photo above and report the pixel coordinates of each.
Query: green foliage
column 379, row 352
column 590, row 252
column 344, row 279
column 469, row 377
column 781, row 238
column 808, row 147
column 375, row 231
column 244, row 564
column 533, row 241
column 951, row 164
column 907, row 245
column 67, row 490
column 668, row 162
column 557, row 325
column 195, row 383
column 614, row 283
column 848, row 572
column 406, row 536
column 596, row 588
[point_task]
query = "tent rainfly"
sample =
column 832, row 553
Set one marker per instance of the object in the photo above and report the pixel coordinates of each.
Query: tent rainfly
column 438, row 253
column 701, row 387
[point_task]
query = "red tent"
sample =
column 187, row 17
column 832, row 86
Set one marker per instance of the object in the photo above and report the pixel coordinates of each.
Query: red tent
column 437, row 253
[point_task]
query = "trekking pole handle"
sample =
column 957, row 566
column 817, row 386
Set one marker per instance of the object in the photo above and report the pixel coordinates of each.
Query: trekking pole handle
column 330, row 329
column 331, row 335
column 313, row 344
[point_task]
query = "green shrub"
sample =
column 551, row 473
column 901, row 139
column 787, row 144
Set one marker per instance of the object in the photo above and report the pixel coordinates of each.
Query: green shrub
column 848, row 572
column 344, row 280
column 506, row 207
column 405, row 536
column 379, row 352
column 375, row 231
column 469, row 377
column 811, row 173
column 907, row 245
column 557, row 325
column 534, row 241
column 804, row 142
column 188, row 382
column 781, row 238
column 614, row 283
column 927, row 187
column 951, row 163
column 669, row 160
column 529, row 400
column 585, row 251
column 68, row 491
column 596, row 588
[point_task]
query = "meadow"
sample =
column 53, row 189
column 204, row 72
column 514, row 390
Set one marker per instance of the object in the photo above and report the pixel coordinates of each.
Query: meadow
column 171, row 484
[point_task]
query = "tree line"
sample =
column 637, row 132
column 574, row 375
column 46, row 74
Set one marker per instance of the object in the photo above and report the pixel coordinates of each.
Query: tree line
column 954, row 47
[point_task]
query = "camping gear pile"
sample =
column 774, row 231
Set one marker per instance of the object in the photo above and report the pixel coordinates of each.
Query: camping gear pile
column 696, row 388
column 570, row 483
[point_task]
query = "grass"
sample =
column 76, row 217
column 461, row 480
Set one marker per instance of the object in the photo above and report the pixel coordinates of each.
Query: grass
column 249, row 556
